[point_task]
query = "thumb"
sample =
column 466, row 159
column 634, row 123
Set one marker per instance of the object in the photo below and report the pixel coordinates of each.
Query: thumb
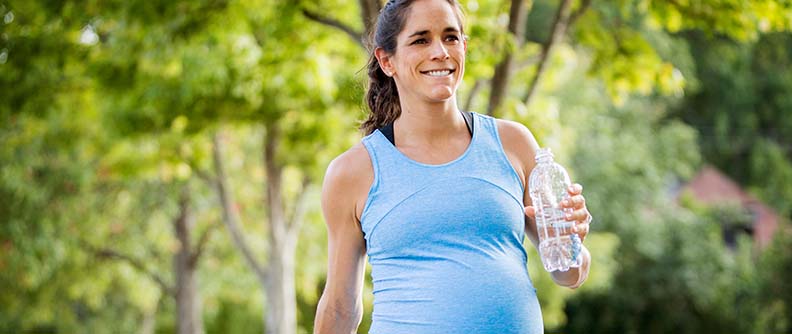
column 530, row 211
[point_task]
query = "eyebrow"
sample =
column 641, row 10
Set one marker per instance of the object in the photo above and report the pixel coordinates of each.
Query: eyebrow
column 424, row 32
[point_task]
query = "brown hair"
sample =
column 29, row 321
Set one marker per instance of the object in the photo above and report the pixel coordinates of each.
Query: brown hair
column 381, row 96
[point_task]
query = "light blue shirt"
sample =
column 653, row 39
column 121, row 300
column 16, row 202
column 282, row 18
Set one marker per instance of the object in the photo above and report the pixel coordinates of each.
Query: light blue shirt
column 445, row 242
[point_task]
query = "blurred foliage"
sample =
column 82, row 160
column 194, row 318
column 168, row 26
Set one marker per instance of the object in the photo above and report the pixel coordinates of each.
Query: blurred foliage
column 107, row 111
column 694, row 284
column 741, row 109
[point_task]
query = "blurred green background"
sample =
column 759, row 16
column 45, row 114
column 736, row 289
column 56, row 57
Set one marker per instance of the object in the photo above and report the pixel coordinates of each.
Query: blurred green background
column 161, row 160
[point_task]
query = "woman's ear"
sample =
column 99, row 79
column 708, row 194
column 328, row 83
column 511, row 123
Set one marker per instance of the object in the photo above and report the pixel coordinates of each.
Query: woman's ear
column 384, row 60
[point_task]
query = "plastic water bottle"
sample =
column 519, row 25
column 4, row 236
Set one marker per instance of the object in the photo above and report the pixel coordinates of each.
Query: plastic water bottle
column 559, row 248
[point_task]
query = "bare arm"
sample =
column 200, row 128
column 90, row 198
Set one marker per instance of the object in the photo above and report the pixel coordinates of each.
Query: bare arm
column 521, row 147
column 348, row 178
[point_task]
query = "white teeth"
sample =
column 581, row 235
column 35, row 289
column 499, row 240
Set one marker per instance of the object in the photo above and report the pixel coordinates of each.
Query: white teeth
column 439, row 73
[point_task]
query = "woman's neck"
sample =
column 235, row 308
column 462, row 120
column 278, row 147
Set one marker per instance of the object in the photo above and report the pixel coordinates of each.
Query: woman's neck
column 429, row 122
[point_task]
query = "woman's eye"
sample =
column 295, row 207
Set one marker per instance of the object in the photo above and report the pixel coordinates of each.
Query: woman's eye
column 452, row 38
column 419, row 41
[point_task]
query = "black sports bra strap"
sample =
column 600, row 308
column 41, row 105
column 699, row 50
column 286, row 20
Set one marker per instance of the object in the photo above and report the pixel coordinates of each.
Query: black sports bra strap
column 387, row 129
column 468, row 121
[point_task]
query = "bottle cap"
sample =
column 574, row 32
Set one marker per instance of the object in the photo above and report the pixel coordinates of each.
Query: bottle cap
column 544, row 154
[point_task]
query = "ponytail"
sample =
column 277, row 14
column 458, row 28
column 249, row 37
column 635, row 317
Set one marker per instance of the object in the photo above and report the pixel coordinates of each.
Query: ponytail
column 382, row 98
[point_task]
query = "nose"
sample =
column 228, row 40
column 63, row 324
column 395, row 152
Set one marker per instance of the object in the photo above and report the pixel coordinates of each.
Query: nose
column 439, row 51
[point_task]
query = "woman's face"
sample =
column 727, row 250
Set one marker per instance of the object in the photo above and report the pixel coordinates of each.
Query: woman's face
column 430, row 54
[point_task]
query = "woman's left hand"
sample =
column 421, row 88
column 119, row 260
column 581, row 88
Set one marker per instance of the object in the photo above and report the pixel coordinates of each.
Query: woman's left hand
column 575, row 203
column 579, row 212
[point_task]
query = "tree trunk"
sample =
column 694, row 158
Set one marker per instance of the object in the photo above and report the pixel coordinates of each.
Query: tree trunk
column 281, row 315
column 149, row 321
column 369, row 9
column 503, row 71
column 560, row 24
column 188, row 304
column 472, row 95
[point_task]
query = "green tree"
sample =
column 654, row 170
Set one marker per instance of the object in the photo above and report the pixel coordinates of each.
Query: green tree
column 49, row 130
column 119, row 121
column 740, row 108
column 775, row 292
column 220, row 63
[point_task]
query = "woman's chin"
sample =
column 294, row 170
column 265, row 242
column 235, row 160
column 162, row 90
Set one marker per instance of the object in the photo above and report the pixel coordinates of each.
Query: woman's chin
column 441, row 94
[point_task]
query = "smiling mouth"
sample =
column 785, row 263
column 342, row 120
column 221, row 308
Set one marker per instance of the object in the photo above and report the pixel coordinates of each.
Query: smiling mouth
column 438, row 73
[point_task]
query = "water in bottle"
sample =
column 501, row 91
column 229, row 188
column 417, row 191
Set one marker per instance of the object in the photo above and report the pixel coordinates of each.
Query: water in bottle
column 559, row 248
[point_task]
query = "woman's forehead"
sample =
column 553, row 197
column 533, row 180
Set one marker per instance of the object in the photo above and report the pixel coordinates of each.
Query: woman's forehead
column 431, row 16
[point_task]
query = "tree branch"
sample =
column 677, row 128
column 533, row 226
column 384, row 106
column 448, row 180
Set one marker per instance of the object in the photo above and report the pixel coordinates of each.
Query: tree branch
column 107, row 253
column 477, row 86
column 503, row 70
column 532, row 60
column 354, row 34
column 202, row 174
column 273, row 201
column 183, row 222
column 560, row 24
column 230, row 214
column 200, row 246
column 155, row 254
column 369, row 9
column 298, row 213
column 584, row 5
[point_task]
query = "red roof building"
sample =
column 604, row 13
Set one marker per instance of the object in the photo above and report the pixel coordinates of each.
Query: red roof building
column 711, row 187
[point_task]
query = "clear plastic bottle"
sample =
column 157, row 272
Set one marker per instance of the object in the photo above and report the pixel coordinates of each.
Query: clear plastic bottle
column 559, row 248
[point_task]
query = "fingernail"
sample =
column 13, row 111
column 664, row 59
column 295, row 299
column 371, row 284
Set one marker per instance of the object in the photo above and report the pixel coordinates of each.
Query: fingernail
column 565, row 202
column 568, row 216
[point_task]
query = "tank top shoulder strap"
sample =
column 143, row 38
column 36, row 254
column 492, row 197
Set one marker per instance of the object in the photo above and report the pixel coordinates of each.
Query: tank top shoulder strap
column 491, row 147
column 387, row 162
column 487, row 125
column 374, row 145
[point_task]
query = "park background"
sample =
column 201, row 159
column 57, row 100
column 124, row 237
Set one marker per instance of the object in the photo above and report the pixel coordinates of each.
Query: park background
column 161, row 160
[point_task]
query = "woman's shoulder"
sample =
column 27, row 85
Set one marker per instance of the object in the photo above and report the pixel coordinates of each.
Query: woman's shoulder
column 351, row 166
column 348, row 178
column 515, row 134
column 518, row 143
column 345, row 188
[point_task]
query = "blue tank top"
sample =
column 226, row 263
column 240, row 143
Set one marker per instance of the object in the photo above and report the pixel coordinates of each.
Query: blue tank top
column 445, row 242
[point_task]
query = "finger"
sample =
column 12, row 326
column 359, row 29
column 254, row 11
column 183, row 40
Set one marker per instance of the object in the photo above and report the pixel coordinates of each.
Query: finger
column 577, row 215
column 581, row 230
column 582, row 226
column 530, row 211
column 575, row 189
column 584, row 221
column 573, row 202
column 576, row 202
